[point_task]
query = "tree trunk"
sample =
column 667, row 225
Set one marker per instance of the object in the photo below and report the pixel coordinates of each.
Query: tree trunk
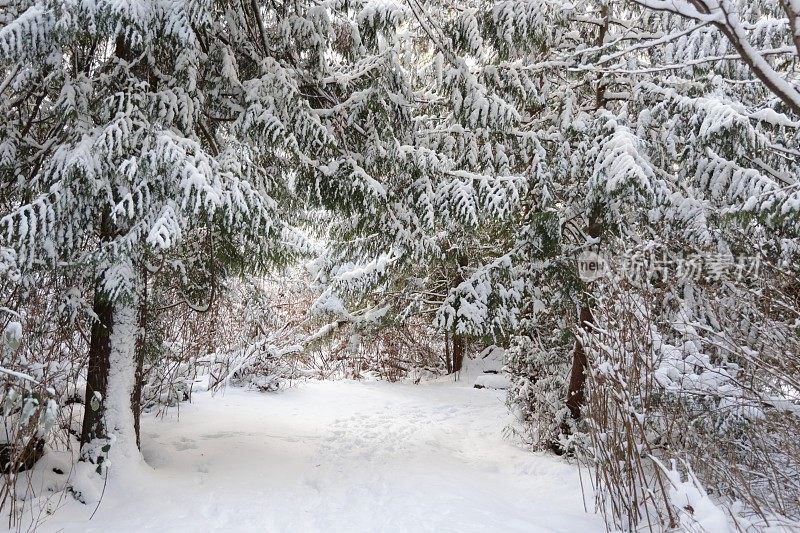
column 448, row 361
column 458, row 352
column 116, row 350
column 136, row 396
column 577, row 378
column 97, row 372
column 111, row 381
column 122, row 372
column 458, row 340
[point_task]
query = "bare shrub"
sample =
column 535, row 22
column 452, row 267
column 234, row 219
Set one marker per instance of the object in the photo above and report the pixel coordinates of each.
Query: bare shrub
column 247, row 337
column 711, row 387
column 412, row 349
column 42, row 345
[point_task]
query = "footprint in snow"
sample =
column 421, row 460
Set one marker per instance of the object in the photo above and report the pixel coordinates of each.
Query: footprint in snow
column 225, row 435
column 185, row 444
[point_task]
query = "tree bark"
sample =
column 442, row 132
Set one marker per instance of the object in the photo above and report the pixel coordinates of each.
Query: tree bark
column 577, row 378
column 136, row 396
column 459, row 344
column 448, row 361
column 98, row 367
column 113, row 381
column 459, row 341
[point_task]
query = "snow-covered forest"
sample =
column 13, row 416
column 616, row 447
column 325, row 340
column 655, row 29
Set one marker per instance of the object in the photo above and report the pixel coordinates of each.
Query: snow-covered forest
column 400, row 265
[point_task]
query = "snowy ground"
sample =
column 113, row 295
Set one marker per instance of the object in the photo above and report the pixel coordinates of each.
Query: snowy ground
column 338, row 456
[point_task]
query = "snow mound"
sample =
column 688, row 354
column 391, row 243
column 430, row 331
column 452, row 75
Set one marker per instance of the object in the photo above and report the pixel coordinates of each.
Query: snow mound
column 493, row 381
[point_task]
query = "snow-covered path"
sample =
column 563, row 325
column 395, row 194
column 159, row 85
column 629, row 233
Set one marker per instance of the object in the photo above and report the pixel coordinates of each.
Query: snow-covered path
column 339, row 456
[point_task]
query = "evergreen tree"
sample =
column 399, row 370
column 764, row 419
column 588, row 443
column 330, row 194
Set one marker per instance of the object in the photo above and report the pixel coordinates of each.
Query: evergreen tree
column 136, row 132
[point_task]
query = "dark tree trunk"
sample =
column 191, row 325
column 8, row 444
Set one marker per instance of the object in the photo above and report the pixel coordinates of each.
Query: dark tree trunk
column 577, row 378
column 136, row 396
column 98, row 367
column 459, row 342
column 458, row 352
column 448, row 361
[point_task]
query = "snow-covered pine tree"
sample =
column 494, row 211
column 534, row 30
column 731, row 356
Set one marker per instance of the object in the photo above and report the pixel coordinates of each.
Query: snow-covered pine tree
column 170, row 138
column 117, row 154
column 655, row 136
column 453, row 166
column 567, row 71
